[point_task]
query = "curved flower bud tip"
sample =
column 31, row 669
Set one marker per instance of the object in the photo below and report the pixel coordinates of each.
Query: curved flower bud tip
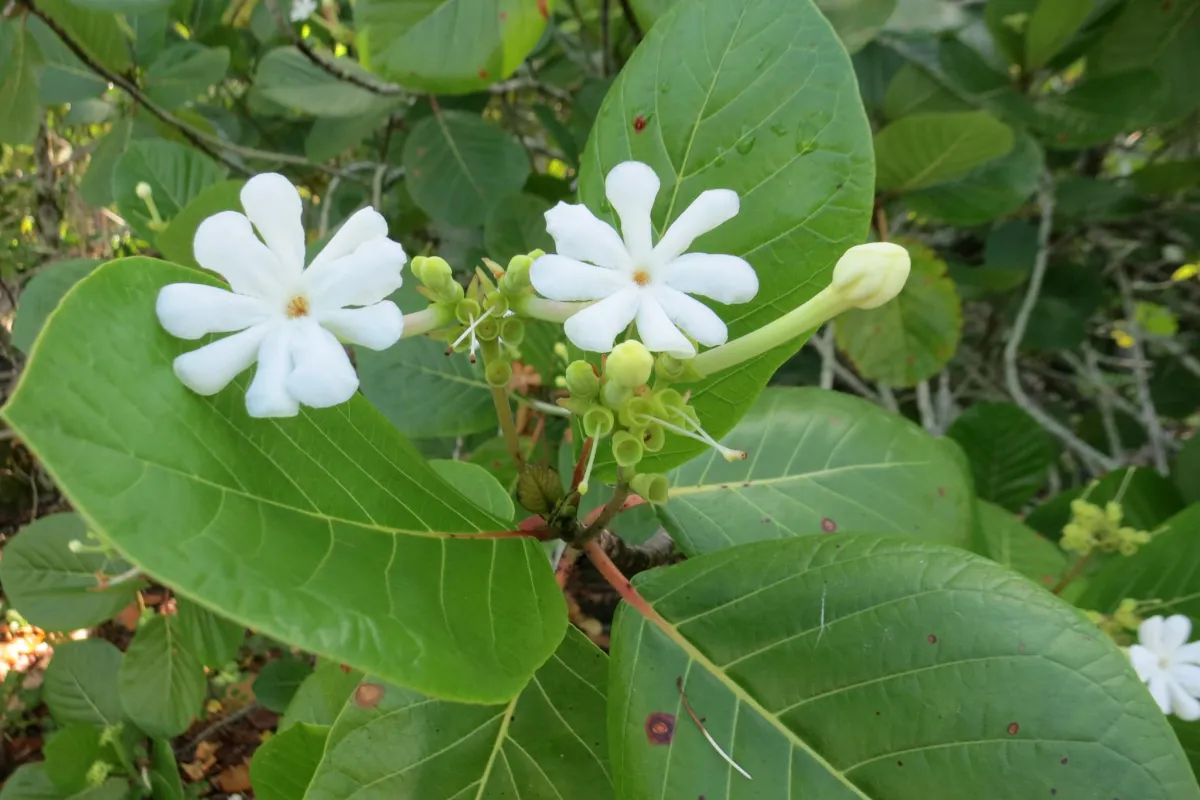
column 629, row 364
column 869, row 275
column 286, row 318
column 633, row 280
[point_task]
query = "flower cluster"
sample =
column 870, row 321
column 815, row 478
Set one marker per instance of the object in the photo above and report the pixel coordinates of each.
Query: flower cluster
column 1169, row 665
column 1094, row 528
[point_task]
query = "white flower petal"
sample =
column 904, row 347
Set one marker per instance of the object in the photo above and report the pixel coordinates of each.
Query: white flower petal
column 562, row 278
column 362, row 226
column 377, row 327
column 191, row 310
column 268, row 395
column 726, row 279
column 225, row 243
column 210, row 369
column 1183, row 704
column 1150, row 635
column 631, row 188
column 1188, row 654
column 1145, row 663
column 273, row 205
column 578, row 234
column 1158, row 690
column 657, row 332
column 706, row 212
column 322, row 375
column 1188, row 676
column 368, row 275
column 1175, row 632
column 596, row 327
column 697, row 320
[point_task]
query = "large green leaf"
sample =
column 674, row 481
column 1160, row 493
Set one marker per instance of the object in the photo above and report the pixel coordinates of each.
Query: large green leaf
column 547, row 744
column 183, row 72
column 1051, row 26
column 1014, row 544
column 287, row 77
column 460, row 167
column 928, row 149
column 911, row 338
column 996, row 189
column 757, row 96
column 162, row 680
column 321, row 697
column 81, row 683
column 819, row 462
column 1010, row 453
column 176, row 174
column 1165, row 572
column 861, row 667
column 448, row 46
column 326, row 531
column 42, row 294
column 20, row 111
column 426, row 393
column 56, row 589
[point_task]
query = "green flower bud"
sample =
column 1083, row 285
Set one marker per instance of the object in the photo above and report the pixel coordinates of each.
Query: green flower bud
column 512, row 331
column 654, row 488
column 466, row 310
column 561, row 351
column 534, row 255
column 499, row 373
column 869, row 275
column 98, row 773
column 416, row 265
column 516, row 277
column 488, row 330
column 653, row 437
column 496, row 303
column 670, row 368
column 632, row 410
column 629, row 364
column 613, row 394
column 582, row 380
column 598, row 421
column 626, row 448
column 143, row 190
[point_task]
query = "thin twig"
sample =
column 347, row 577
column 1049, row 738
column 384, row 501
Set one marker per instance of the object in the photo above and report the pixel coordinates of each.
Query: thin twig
column 634, row 27
column 1012, row 348
column 1091, row 370
column 925, row 408
column 945, row 402
column 888, row 398
column 824, row 341
column 211, row 729
column 1141, row 377
column 1186, row 359
column 614, row 506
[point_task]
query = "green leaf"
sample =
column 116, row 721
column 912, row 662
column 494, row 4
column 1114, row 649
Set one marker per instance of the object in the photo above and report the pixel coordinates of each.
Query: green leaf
column 175, row 243
column 913, row 91
column 1096, row 109
column 1012, row 543
column 1008, row 21
column 176, row 174
column 1167, row 177
column 98, row 32
column 1147, row 498
column 20, row 111
column 1010, row 453
column 460, row 167
column 911, row 338
column 97, row 184
column 58, row 590
column 426, row 393
column 1155, row 319
column 547, row 744
column 332, row 509
column 813, row 457
column 649, row 11
column 278, row 681
column 284, row 765
column 477, row 485
column 321, row 697
column 287, row 77
column 214, row 640
column 1186, row 470
column 928, row 149
column 899, row 669
column 62, row 77
column 517, row 226
column 81, row 683
column 1051, row 27
column 737, row 94
column 41, row 296
column 558, row 133
column 71, row 752
column 184, row 71
column 448, row 46
column 165, row 783
column 131, row 6
column 329, row 137
column 30, row 782
column 994, row 190
column 162, row 680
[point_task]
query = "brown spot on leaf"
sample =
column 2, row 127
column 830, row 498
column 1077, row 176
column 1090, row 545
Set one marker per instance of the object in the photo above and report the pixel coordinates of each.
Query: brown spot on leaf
column 931, row 638
column 344, row 668
column 941, row 491
column 544, row 9
column 368, row 695
column 1063, row 760
column 828, row 525
column 503, row 16
column 639, row 124
column 660, row 727
column 1013, row 727
column 483, row 74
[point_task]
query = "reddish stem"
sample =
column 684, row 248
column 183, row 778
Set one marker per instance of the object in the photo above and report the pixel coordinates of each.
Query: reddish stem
column 577, row 478
column 621, row 584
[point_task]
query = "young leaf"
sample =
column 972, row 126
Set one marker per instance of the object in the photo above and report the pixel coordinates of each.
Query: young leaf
column 162, row 680
column 866, row 667
column 71, row 753
column 757, row 96
column 477, row 485
column 81, row 683
column 176, row 174
column 184, row 71
column 993, row 190
column 322, row 695
column 284, row 765
column 31, row 782
column 214, row 640
column 332, row 509
column 813, row 456
column 285, row 76
column 1010, row 453
column 165, row 783
column 58, row 590
column 1010, row 542
column 927, row 149
column 1051, row 27
column 279, row 680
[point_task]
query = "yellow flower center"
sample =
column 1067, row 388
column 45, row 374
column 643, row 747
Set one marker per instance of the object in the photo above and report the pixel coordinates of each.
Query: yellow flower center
column 297, row 307
column 641, row 277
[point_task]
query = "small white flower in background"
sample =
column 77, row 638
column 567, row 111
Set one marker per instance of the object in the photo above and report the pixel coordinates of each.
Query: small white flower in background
column 289, row 317
column 1169, row 665
column 637, row 280
column 302, row 10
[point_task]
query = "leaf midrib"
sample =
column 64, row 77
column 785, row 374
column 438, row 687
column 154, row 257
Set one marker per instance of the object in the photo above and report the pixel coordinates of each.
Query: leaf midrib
column 736, row 483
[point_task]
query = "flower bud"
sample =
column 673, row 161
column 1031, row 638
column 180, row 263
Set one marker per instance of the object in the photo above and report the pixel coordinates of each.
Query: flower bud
column 143, row 190
column 652, row 487
column 496, row 303
column 416, row 265
column 613, row 394
column 626, row 448
column 516, row 277
column 488, row 330
column 75, row 546
column 512, row 331
column 869, row 275
column 582, row 380
column 629, row 364
column 498, row 374
column 538, row 488
column 466, row 310
column 598, row 421
column 653, row 438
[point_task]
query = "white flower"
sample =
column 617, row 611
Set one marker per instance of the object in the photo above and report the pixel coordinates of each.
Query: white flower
column 1170, row 666
column 289, row 317
column 302, row 10
column 637, row 280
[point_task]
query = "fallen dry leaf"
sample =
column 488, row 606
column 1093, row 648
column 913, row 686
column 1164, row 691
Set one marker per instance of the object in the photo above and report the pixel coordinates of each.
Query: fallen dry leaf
column 234, row 779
